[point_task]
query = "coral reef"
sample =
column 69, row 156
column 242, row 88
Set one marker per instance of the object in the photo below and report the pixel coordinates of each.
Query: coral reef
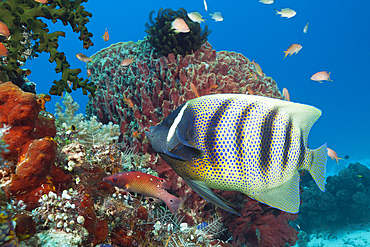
column 31, row 150
column 145, row 92
column 345, row 201
column 155, row 87
column 164, row 40
column 3, row 145
column 23, row 20
column 7, row 231
column 88, row 132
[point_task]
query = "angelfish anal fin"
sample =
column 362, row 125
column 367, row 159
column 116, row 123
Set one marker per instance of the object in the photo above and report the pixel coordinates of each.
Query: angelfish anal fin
column 284, row 197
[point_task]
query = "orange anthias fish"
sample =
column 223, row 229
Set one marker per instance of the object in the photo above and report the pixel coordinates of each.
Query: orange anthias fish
column 214, row 86
column 105, row 35
column 333, row 155
column 4, row 31
column 136, row 134
column 286, row 94
column 321, row 76
column 128, row 101
column 194, row 89
column 258, row 68
column 41, row 1
column 83, row 57
column 145, row 184
column 180, row 26
column 3, row 50
column 293, row 49
column 127, row 61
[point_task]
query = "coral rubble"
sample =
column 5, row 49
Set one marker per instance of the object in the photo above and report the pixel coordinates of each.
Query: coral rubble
column 22, row 19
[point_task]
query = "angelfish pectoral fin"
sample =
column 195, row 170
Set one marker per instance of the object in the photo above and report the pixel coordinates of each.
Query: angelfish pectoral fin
column 174, row 156
column 188, row 149
column 204, row 191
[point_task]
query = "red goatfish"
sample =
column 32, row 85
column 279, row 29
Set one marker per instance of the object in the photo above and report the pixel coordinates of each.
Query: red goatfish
column 105, row 35
column 4, row 31
column 321, row 76
column 180, row 26
column 145, row 184
column 293, row 49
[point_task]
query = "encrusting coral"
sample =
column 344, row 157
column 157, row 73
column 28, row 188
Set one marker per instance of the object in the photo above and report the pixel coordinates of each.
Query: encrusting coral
column 22, row 16
column 164, row 40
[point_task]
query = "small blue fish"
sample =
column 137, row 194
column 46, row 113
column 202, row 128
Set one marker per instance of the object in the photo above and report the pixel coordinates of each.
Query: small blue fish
column 202, row 226
column 237, row 142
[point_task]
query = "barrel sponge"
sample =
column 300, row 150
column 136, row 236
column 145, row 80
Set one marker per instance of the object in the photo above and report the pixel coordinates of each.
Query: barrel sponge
column 22, row 16
column 164, row 40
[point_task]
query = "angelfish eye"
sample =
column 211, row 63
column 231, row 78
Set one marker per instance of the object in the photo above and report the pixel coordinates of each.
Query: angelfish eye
column 114, row 179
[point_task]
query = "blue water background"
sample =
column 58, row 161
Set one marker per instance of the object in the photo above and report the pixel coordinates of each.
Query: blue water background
column 337, row 40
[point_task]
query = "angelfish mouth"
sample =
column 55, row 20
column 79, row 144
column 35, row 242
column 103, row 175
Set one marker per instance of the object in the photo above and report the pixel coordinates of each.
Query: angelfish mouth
column 150, row 133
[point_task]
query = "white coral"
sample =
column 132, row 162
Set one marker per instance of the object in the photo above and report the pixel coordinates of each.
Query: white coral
column 90, row 133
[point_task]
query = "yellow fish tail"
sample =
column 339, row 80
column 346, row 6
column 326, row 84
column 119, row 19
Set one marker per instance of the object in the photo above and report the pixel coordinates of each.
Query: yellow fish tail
column 318, row 167
column 286, row 54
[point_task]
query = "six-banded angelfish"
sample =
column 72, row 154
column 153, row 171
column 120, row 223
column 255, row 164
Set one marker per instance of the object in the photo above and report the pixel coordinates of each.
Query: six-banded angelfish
column 236, row 142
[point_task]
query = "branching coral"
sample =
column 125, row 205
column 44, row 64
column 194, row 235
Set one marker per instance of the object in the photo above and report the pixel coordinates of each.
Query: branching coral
column 21, row 17
column 88, row 132
column 165, row 40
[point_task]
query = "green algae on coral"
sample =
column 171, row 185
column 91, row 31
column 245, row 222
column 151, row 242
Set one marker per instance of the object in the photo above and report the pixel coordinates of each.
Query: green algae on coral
column 164, row 40
column 20, row 16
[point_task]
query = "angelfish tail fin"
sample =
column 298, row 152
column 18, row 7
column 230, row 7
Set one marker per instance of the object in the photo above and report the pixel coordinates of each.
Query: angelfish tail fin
column 318, row 167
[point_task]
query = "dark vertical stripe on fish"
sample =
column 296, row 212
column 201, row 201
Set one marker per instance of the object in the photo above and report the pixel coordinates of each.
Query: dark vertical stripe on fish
column 287, row 142
column 241, row 124
column 302, row 151
column 266, row 136
column 215, row 121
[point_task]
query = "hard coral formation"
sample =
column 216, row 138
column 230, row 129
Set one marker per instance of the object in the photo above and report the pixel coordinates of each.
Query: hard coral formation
column 345, row 201
column 145, row 92
column 164, row 40
column 20, row 17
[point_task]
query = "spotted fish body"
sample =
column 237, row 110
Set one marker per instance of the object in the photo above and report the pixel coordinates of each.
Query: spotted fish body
column 145, row 184
column 246, row 143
